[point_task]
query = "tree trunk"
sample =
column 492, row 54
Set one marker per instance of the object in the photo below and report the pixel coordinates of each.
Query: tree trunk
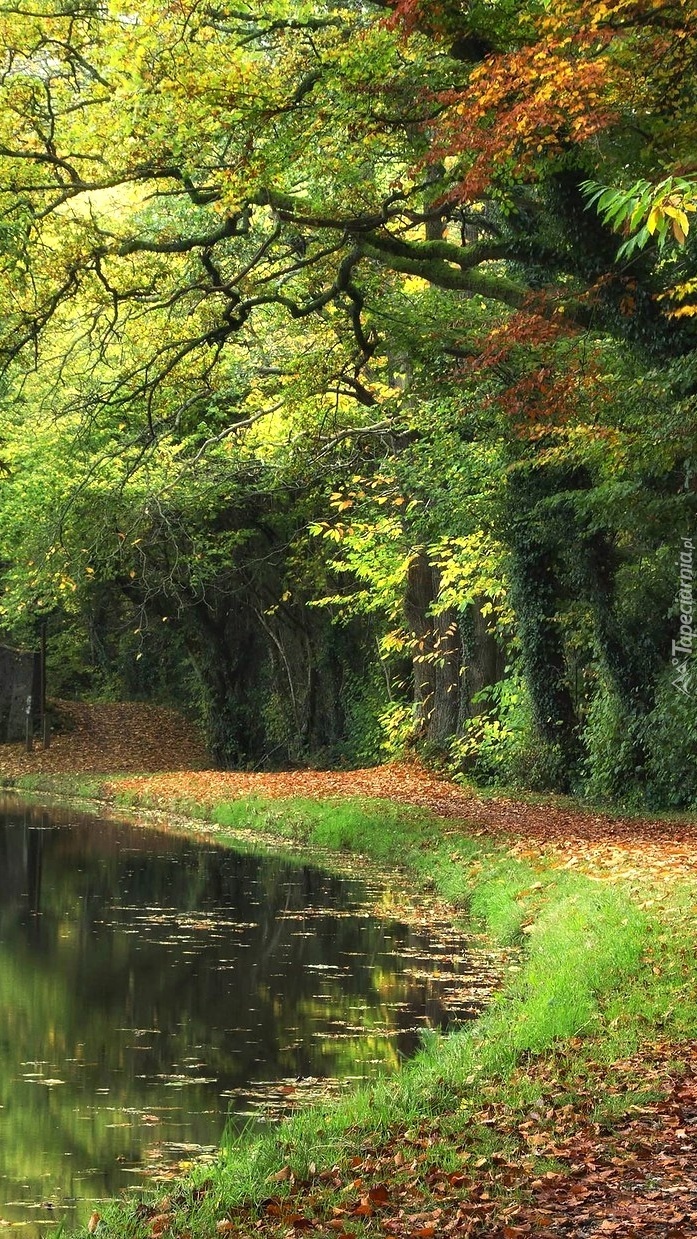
column 484, row 660
column 631, row 678
column 437, row 655
column 228, row 667
column 535, row 598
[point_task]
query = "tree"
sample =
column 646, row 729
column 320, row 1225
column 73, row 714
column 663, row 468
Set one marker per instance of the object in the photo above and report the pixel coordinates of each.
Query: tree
column 251, row 256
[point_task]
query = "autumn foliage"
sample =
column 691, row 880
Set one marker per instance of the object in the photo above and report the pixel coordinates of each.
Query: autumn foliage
column 579, row 70
column 350, row 393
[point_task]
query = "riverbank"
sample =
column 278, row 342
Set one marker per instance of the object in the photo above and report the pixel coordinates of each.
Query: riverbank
column 568, row 1110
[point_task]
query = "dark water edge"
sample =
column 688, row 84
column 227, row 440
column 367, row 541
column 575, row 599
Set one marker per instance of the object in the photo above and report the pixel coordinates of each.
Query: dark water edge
column 152, row 985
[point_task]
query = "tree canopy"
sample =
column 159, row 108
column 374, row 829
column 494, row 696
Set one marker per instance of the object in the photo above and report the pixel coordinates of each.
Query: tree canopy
column 348, row 359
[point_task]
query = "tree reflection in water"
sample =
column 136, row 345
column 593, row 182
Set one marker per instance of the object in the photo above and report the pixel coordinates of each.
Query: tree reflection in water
column 146, row 980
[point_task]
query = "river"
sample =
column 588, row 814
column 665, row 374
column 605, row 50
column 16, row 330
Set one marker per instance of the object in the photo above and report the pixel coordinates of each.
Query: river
column 153, row 987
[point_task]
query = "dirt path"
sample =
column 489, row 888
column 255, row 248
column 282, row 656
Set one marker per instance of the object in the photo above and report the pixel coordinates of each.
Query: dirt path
column 166, row 759
column 600, row 844
column 113, row 737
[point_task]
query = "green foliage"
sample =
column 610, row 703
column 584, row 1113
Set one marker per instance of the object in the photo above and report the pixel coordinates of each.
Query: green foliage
column 670, row 737
column 397, row 729
column 501, row 746
column 611, row 738
column 311, row 349
column 645, row 761
column 645, row 210
column 486, row 751
column 377, row 729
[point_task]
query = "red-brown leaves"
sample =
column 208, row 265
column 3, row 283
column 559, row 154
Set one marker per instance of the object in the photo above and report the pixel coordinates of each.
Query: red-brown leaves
column 520, row 110
column 634, row 1180
column 113, row 736
column 433, row 17
column 525, row 329
column 547, row 385
column 564, row 74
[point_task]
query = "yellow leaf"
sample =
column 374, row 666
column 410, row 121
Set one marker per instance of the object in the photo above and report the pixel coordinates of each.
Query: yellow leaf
column 679, row 217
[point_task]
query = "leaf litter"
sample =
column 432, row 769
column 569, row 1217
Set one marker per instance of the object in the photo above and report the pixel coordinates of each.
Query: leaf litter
column 615, row 1183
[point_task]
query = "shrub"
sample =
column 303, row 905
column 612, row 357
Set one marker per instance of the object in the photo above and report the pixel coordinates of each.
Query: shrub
column 670, row 739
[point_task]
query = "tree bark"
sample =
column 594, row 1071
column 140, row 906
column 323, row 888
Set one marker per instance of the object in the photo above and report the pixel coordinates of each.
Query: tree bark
column 437, row 657
column 484, row 660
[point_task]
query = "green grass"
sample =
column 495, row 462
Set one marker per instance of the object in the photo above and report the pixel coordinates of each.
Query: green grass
column 603, row 969
column 586, row 946
column 66, row 786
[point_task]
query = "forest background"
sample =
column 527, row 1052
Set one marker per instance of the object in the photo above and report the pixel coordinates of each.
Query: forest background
column 348, row 377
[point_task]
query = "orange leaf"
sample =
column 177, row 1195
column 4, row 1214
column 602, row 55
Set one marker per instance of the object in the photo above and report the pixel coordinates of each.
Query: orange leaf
column 379, row 1195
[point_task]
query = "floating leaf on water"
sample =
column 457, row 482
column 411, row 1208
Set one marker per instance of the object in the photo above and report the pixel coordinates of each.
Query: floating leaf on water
column 179, row 1082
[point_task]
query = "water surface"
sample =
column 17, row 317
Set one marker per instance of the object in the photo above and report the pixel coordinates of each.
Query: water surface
column 149, row 984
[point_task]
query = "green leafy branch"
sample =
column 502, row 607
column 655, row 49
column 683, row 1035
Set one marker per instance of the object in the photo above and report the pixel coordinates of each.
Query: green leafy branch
column 645, row 210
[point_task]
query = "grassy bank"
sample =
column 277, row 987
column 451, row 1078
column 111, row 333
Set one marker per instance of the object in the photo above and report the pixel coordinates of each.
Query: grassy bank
column 606, row 987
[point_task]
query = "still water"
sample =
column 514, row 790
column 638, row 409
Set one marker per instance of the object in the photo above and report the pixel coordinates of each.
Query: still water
column 150, row 986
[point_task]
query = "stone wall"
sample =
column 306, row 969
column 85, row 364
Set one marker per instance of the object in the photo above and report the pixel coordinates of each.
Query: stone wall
column 19, row 678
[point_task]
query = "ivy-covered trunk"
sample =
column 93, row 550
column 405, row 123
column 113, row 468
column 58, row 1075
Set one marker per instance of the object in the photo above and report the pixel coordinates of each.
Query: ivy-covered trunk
column 228, row 667
column 630, row 662
column 537, row 595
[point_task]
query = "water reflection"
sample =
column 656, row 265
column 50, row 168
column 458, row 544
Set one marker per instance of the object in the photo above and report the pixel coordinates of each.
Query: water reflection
column 147, row 983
